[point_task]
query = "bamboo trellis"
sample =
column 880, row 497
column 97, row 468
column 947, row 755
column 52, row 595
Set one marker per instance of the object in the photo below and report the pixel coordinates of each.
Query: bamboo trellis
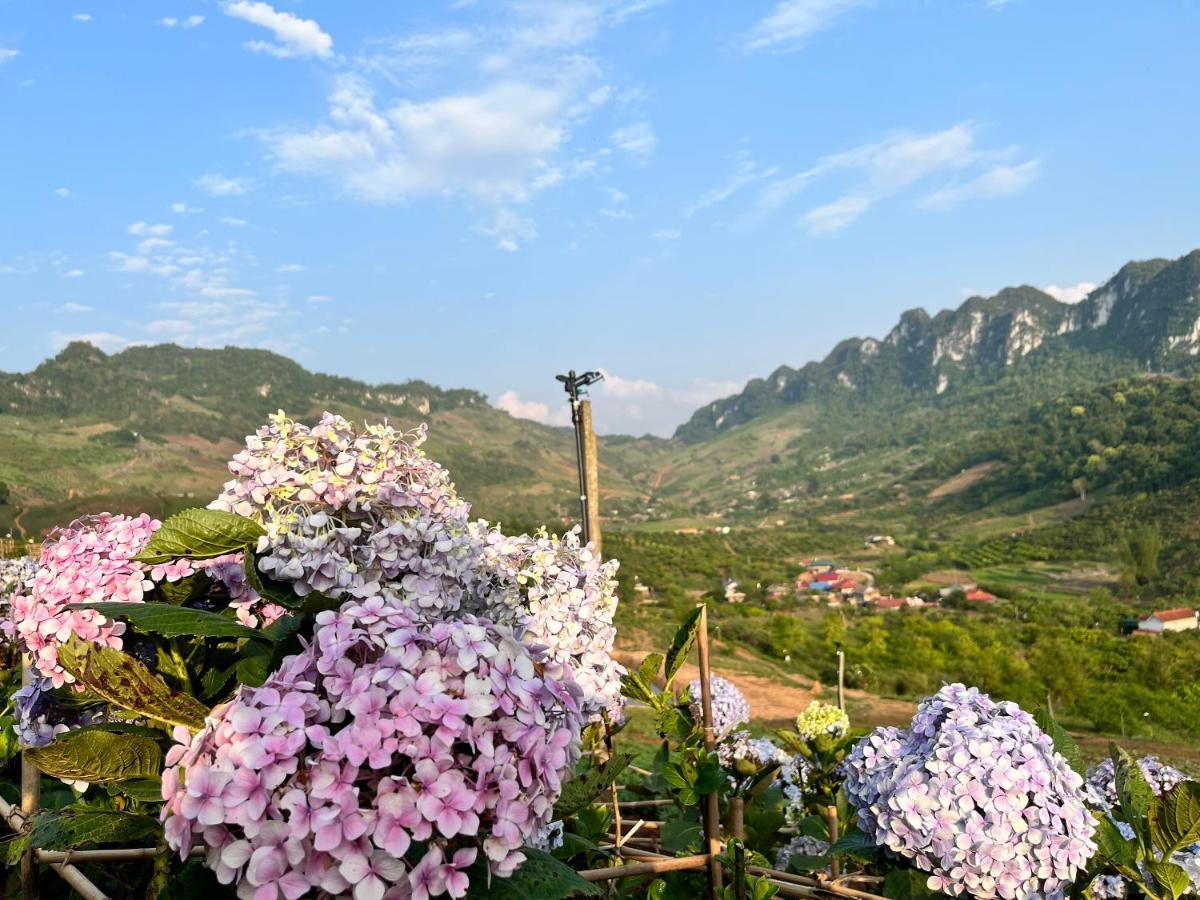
column 635, row 848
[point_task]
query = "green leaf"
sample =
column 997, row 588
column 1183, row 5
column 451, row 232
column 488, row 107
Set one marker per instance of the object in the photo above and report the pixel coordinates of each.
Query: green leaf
column 685, row 637
column 1172, row 879
column 173, row 621
column 279, row 591
column 254, row 664
column 123, row 680
column 633, row 687
column 854, row 843
column 184, row 590
column 681, row 834
column 148, row 790
column 1063, row 742
column 908, row 884
column 1134, row 794
column 803, row 864
column 1175, row 817
column 648, row 670
column 98, row 756
column 77, row 826
column 541, row 877
column 200, row 534
column 1112, row 847
column 585, row 787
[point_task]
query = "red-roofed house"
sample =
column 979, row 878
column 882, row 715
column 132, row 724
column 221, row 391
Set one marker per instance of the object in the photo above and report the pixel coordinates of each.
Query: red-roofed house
column 978, row 596
column 887, row 603
column 1169, row 620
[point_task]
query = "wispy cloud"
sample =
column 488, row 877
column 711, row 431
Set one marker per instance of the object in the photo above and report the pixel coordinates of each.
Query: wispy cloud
column 790, row 24
column 638, row 140
column 873, row 172
column 82, row 17
column 293, row 36
column 222, row 185
column 62, row 192
column 998, row 181
column 8, row 54
column 746, row 172
column 74, row 309
column 75, row 273
column 187, row 22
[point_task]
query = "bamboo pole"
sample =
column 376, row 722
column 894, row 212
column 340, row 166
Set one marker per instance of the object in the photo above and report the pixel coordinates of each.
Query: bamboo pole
column 591, row 466
column 737, row 818
column 118, row 854
column 649, row 867
column 16, row 821
column 841, row 675
column 831, row 819
column 31, row 798
column 712, row 813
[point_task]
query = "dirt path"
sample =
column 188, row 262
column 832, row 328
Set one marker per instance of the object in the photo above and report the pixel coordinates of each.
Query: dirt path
column 963, row 480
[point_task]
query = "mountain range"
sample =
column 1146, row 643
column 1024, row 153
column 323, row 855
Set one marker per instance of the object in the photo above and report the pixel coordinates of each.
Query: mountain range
column 151, row 427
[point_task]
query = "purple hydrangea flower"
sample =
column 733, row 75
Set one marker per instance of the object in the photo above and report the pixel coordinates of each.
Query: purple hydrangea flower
column 729, row 706
column 974, row 794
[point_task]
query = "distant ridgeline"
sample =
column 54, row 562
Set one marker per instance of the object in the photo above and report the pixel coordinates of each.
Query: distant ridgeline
column 165, row 389
column 1021, row 345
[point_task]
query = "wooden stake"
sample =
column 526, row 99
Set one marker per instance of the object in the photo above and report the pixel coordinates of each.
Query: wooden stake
column 841, row 667
column 31, row 799
column 831, row 819
column 712, row 812
column 591, row 471
column 737, row 818
column 650, row 867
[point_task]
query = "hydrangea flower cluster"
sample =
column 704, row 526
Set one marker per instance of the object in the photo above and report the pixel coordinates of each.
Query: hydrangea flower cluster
column 38, row 718
column 742, row 746
column 15, row 574
column 87, row 562
column 820, row 719
column 974, row 794
column 729, row 706
column 353, row 515
column 793, row 777
column 1101, row 780
column 559, row 595
column 801, row 845
column 386, row 758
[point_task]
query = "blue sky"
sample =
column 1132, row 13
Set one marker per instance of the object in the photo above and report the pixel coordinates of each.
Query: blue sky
column 484, row 194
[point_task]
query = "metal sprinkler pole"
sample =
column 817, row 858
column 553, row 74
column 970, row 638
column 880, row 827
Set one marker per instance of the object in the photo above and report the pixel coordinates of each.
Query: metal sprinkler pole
column 585, row 451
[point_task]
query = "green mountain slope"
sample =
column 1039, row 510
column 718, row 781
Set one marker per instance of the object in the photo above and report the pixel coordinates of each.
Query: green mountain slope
column 152, row 427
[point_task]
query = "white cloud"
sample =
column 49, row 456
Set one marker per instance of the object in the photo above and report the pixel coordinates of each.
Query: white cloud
column 293, row 36
column 667, row 234
column 998, row 181
column 173, row 22
column 833, row 217
column 74, row 308
column 875, row 171
column 182, row 209
column 75, row 273
column 1071, row 293
column 512, row 404
column 617, row 214
column 8, row 54
column 638, row 405
column 123, row 262
column 82, row 17
column 289, row 268
column 62, row 192
column 234, row 222
column 638, row 140
column 217, row 321
column 510, row 230
column 142, row 229
column 792, row 22
column 746, row 172
column 105, row 340
column 221, row 185
column 319, row 298
column 152, row 244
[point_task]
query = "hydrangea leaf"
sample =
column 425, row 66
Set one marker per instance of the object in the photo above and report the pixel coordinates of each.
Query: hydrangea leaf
column 1171, row 878
column 1112, row 846
column 908, row 884
column 681, row 646
column 1175, row 817
column 541, row 877
column 148, row 790
column 1063, row 742
column 1134, row 794
column 98, row 756
column 278, row 591
column 585, row 787
column 173, row 621
column 200, row 534
column 123, row 680
column 855, row 843
column 648, row 670
column 79, row 826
